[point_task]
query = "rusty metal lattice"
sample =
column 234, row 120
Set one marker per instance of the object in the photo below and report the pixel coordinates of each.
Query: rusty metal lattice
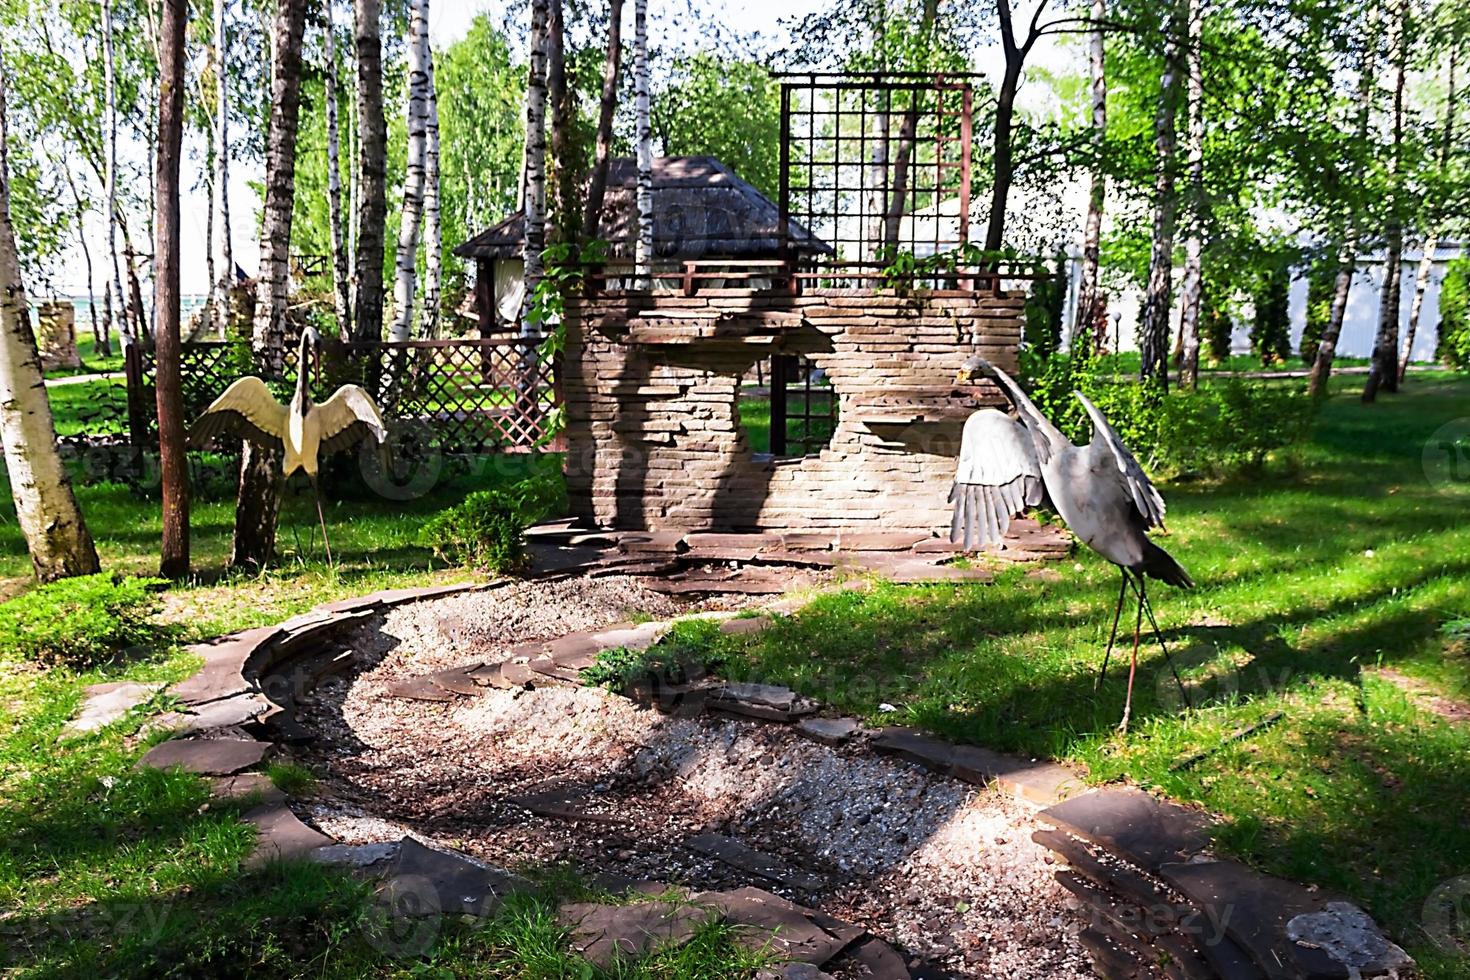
column 877, row 164
column 463, row 396
column 803, row 407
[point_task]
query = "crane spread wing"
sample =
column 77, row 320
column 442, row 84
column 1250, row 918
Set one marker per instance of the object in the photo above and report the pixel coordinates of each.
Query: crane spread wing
column 997, row 478
column 349, row 417
column 246, row 410
column 1146, row 499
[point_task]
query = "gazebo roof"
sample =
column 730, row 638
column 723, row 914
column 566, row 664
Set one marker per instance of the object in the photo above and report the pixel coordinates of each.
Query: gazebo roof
column 701, row 210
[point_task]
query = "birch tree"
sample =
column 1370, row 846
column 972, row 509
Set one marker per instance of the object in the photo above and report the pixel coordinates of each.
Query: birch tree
column 1431, row 241
column 1191, row 286
column 1383, row 368
column 342, row 299
column 606, row 108
column 109, row 84
column 371, row 206
column 534, row 205
column 1088, row 305
column 1348, row 254
column 1154, row 342
column 45, row 508
column 433, row 234
column 260, row 469
column 406, row 265
column 168, row 384
column 643, row 249
column 221, row 287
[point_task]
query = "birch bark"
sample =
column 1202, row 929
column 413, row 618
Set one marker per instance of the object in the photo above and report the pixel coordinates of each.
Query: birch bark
column 411, row 224
column 1191, row 286
column 1087, row 291
column 1154, row 342
column 342, row 298
column 643, row 248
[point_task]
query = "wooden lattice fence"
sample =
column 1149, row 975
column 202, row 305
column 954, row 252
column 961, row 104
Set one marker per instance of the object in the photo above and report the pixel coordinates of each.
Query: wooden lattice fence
column 457, row 396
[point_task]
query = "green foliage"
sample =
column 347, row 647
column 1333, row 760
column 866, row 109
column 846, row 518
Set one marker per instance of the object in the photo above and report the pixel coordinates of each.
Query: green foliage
column 730, row 110
column 79, row 621
column 487, row 529
column 1225, row 425
column 690, row 651
column 1271, row 328
column 1216, row 325
column 1454, row 314
column 1321, row 280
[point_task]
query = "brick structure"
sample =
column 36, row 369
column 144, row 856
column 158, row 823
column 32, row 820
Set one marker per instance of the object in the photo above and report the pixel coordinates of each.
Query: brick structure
column 651, row 382
column 56, row 335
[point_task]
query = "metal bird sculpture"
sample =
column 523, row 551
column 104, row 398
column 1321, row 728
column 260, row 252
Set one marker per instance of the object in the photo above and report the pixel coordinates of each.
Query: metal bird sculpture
column 304, row 430
column 1099, row 490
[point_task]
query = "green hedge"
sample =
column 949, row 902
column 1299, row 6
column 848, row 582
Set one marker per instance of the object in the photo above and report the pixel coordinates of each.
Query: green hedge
column 1454, row 314
column 79, row 621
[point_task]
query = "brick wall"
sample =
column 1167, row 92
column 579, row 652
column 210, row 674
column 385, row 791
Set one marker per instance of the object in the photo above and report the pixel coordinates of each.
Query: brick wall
column 653, row 432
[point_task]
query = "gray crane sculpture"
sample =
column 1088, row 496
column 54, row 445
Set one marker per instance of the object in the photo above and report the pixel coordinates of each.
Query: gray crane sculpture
column 1098, row 489
column 304, row 430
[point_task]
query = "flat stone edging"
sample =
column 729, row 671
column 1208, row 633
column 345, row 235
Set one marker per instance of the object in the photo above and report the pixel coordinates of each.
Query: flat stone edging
column 1126, row 853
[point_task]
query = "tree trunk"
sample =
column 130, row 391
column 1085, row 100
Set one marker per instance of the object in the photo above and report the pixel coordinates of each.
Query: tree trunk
column 1348, row 257
column 342, row 297
column 45, row 507
column 607, row 107
column 1154, row 342
column 372, row 139
column 406, row 266
column 564, row 211
column 535, row 198
column 1383, row 369
column 1191, row 286
column 433, row 236
column 259, row 496
column 1005, row 112
column 643, row 250
column 173, row 461
column 221, row 286
column 101, row 343
column 109, row 84
column 1426, row 260
column 1087, row 291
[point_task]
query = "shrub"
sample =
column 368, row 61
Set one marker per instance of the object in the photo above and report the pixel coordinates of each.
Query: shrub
column 1321, row 282
column 487, row 529
column 1454, row 314
column 79, row 621
column 1271, row 329
column 1216, row 325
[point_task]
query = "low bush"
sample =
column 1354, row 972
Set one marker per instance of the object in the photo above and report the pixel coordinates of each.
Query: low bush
column 79, row 621
column 1225, row 425
column 488, row 528
column 1454, row 314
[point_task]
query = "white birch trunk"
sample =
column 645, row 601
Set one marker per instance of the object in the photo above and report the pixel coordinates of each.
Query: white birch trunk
column 1384, row 366
column 109, row 84
column 1426, row 260
column 1191, row 285
column 643, row 249
column 433, row 238
column 226, row 279
column 535, row 168
column 45, row 508
column 1087, row 292
column 342, row 289
column 406, row 265
column 1154, row 343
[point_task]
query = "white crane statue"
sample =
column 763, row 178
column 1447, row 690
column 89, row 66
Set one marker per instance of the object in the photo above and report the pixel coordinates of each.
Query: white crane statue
column 1099, row 490
column 305, row 430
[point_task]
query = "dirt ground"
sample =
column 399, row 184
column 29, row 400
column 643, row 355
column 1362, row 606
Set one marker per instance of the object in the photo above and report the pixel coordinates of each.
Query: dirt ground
column 944, row 870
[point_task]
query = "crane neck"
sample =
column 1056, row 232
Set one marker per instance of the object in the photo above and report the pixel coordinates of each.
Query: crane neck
column 303, row 370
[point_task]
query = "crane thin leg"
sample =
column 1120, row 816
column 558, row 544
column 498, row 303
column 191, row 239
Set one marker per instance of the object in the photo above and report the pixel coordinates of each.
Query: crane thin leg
column 320, row 516
column 1132, row 670
column 1113, row 636
column 1148, row 608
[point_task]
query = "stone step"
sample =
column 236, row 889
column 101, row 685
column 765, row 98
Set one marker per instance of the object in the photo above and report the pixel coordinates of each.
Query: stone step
column 738, row 855
column 1133, row 825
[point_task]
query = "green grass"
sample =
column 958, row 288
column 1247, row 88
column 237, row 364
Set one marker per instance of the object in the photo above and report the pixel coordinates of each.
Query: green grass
column 755, row 419
column 92, row 363
column 1309, row 578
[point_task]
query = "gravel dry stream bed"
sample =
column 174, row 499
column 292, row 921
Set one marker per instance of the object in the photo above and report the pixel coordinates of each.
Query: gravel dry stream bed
column 944, row 870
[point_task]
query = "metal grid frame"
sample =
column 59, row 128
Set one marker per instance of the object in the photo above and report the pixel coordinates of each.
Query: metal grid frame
column 800, row 424
column 875, row 164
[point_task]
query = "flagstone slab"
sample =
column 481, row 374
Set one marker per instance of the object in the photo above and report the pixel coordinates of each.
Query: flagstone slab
column 830, row 731
column 107, row 703
column 746, row 626
column 738, row 855
column 780, row 927
column 205, row 756
column 245, row 786
column 1286, row 929
column 1039, row 782
column 876, row 959
column 418, row 689
column 356, row 855
column 222, row 675
column 458, row 680
column 430, row 881
column 280, row 835
column 239, row 710
column 602, row 933
column 1134, row 826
